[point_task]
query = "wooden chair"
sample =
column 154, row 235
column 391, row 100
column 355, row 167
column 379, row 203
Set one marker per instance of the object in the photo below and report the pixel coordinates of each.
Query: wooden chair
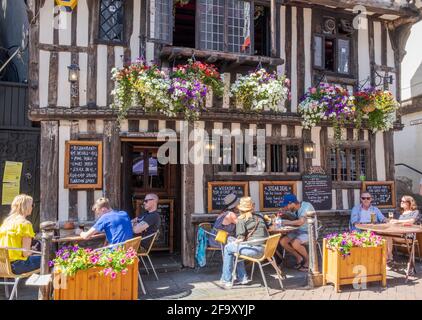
column 6, row 271
column 207, row 226
column 143, row 252
column 269, row 251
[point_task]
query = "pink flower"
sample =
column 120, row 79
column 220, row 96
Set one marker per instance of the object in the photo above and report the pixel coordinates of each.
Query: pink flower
column 313, row 90
column 122, row 261
column 124, row 271
column 107, row 271
column 94, row 259
column 113, row 275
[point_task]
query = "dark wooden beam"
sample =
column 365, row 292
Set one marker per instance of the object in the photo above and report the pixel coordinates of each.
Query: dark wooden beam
column 49, row 171
column 112, row 155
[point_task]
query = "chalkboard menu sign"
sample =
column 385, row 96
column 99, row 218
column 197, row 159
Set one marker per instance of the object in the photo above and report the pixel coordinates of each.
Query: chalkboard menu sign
column 217, row 191
column 317, row 188
column 271, row 193
column 383, row 193
column 164, row 240
column 83, row 165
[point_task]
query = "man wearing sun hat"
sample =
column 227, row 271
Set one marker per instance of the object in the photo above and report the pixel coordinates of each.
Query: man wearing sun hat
column 294, row 241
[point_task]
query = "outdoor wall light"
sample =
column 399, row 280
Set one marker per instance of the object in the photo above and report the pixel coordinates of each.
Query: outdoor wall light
column 73, row 73
column 309, row 150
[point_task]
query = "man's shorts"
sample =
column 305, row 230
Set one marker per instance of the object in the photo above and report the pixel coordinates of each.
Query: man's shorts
column 300, row 235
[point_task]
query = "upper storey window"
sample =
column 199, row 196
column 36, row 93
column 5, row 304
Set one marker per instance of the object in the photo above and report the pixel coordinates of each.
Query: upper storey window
column 111, row 20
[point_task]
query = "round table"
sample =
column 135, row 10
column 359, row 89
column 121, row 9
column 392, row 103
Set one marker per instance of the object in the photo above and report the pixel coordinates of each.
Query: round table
column 282, row 230
column 396, row 230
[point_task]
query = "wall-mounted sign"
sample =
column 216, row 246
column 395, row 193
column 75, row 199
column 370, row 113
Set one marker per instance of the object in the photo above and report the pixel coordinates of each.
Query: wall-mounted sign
column 83, row 165
column 383, row 193
column 217, row 191
column 271, row 193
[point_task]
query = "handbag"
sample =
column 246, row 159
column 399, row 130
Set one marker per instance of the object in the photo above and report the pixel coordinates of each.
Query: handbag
column 221, row 236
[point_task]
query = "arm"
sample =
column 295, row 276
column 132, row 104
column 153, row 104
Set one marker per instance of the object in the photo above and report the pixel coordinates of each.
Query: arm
column 140, row 227
column 26, row 244
column 354, row 217
column 296, row 223
column 380, row 216
column 88, row 234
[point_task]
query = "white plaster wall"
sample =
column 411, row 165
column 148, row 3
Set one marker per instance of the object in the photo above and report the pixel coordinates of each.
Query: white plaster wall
column 47, row 22
column 43, row 78
column 408, row 149
column 363, row 50
column 293, row 74
column 102, row 75
column 82, row 32
column 411, row 68
column 63, row 86
column 64, row 135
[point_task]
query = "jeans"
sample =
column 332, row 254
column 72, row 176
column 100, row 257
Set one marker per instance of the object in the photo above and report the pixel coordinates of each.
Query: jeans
column 23, row 266
column 229, row 258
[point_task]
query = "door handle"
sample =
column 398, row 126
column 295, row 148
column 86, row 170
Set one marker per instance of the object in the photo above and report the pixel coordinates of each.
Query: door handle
column 28, row 176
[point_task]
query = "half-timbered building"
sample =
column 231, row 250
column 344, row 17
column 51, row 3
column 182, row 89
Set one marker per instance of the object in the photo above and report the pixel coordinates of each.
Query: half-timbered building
column 340, row 42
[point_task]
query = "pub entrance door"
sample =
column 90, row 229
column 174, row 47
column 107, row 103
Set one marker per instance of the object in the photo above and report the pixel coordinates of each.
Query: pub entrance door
column 143, row 174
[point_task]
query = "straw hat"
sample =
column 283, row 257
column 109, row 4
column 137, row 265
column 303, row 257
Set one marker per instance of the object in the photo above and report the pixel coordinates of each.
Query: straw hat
column 246, row 204
column 231, row 201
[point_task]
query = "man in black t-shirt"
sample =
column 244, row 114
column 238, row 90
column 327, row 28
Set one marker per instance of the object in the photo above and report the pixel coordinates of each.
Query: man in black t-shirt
column 148, row 222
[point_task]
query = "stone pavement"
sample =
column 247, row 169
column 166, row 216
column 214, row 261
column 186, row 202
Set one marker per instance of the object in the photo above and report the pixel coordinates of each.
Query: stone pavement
column 202, row 284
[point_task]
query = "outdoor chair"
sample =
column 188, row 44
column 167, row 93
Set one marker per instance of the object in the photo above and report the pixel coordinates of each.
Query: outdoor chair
column 405, row 243
column 269, row 251
column 207, row 226
column 144, row 252
column 6, row 271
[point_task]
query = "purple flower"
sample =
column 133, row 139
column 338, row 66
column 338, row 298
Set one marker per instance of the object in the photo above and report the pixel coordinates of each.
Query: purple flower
column 50, row 264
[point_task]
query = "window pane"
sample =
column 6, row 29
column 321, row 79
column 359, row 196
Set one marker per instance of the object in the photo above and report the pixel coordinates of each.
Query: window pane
column 138, row 170
column 353, row 175
column 160, row 20
column 212, row 26
column 276, row 158
column 156, row 176
column 318, row 51
column 329, row 54
column 292, row 158
column 225, row 158
column 333, row 164
column 239, row 13
column 111, row 20
column 363, row 161
column 343, row 55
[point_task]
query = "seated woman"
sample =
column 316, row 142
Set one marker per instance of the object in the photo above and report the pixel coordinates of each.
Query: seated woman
column 250, row 226
column 226, row 220
column 409, row 215
column 17, row 232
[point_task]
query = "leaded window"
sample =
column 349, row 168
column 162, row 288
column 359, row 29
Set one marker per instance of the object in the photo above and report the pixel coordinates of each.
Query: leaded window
column 284, row 158
column 348, row 164
column 111, row 20
column 160, row 21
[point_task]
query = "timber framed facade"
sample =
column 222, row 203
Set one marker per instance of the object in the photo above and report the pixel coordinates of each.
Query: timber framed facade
column 288, row 44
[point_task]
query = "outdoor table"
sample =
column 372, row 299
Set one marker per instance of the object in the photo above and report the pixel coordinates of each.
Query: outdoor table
column 394, row 230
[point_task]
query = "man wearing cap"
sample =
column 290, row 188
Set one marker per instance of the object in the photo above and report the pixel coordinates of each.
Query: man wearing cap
column 294, row 241
column 226, row 220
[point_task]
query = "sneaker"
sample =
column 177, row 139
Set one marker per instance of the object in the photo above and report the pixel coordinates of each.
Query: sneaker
column 243, row 282
column 227, row 285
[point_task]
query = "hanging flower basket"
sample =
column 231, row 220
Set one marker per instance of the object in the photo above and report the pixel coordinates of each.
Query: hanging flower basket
column 327, row 102
column 261, row 90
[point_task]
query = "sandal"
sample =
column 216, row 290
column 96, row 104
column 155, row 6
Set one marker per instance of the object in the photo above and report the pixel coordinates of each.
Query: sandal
column 299, row 265
column 303, row 268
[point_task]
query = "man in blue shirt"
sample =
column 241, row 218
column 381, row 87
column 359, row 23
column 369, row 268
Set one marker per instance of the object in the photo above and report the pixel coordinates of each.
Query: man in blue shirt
column 115, row 224
column 295, row 240
column 362, row 212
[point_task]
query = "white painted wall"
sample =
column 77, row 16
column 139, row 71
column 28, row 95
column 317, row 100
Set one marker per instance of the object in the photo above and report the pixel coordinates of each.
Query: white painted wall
column 43, row 78
column 64, row 135
column 411, row 68
column 293, row 74
column 408, row 150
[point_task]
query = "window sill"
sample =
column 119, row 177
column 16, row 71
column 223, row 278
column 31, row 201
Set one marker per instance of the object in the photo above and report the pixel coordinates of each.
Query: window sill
column 211, row 56
column 336, row 77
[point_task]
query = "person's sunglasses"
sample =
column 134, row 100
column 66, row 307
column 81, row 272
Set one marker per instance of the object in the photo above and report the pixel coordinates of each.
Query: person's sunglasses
column 404, row 201
column 146, row 200
column 365, row 198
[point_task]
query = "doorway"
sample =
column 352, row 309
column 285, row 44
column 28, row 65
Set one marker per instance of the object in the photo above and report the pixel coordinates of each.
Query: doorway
column 142, row 173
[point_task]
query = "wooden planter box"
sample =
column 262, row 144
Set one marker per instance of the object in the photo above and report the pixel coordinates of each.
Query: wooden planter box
column 90, row 285
column 339, row 270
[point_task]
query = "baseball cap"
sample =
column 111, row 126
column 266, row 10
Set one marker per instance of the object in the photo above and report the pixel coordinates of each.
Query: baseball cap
column 287, row 199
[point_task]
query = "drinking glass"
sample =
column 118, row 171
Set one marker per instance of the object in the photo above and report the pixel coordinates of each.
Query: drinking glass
column 390, row 215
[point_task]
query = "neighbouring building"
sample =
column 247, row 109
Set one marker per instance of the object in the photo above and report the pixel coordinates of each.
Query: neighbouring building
column 309, row 41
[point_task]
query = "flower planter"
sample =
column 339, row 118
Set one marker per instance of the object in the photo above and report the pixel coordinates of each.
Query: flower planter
column 90, row 285
column 351, row 269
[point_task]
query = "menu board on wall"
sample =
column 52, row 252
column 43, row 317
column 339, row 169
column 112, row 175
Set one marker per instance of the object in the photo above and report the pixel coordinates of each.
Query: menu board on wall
column 271, row 193
column 83, row 165
column 383, row 193
column 317, row 188
column 165, row 208
column 217, row 191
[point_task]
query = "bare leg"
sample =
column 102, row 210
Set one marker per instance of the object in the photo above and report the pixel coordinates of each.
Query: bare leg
column 297, row 245
column 285, row 242
column 389, row 248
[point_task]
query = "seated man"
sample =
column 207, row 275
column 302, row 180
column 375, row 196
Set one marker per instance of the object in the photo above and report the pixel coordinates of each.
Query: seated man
column 149, row 222
column 294, row 241
column 362, row 212
column 115, row 224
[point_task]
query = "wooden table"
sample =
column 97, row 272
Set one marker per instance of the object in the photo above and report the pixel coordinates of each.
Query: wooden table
column 72, row 236
column 397, row 230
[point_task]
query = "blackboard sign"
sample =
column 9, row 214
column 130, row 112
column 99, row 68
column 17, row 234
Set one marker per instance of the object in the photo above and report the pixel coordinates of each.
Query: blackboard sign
column 317, row 188
column 83, row 165
column 383, row 193
column 164, row 240
column 271, row 193
column 217, row 191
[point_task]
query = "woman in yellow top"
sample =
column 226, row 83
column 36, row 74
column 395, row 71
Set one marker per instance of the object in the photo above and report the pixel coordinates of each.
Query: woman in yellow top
column 17, row 232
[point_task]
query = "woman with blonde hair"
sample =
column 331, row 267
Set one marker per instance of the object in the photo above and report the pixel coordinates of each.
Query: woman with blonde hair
column 249, row 226
column 408, row 215
column 17, row 232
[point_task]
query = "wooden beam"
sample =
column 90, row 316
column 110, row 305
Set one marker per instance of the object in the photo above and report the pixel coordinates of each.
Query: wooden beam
column 64, row 48
column 112, row 156
column 49, row 171
column 389, row 154
column 288, row 47
column 34, row 56
column 273, row 29
column 73, row 193
column 90, row 193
